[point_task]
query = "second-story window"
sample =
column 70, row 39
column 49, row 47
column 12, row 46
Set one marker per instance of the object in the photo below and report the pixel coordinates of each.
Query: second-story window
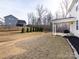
column 77, row 8
column 77, row 27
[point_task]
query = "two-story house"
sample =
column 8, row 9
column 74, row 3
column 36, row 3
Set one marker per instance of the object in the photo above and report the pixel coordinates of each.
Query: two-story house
column 11, row 20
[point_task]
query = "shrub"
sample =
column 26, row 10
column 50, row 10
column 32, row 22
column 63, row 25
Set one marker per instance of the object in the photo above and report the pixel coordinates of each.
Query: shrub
column 30, row 29
column 41, row 29
column 33, row 29
column 37, row 29
column 23, row 30
column 27, row 30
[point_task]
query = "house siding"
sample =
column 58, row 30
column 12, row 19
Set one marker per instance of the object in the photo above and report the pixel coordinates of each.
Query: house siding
column 75, row 13
column 10, row 21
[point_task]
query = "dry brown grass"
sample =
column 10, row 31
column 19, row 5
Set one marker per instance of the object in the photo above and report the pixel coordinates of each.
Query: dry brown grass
column 7, row 45
column 15, row 35
column 36, row 46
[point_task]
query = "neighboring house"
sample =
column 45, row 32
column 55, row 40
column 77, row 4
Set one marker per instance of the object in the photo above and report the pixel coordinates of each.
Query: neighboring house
column 21, row 23
column 10, row 20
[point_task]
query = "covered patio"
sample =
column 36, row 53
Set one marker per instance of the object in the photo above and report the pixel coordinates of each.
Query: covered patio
column 62, row 24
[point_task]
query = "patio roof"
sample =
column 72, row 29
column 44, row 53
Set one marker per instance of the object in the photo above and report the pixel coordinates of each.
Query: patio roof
column 61, row 20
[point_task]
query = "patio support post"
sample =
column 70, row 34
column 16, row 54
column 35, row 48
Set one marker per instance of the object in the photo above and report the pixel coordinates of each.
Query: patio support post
column 54, row 28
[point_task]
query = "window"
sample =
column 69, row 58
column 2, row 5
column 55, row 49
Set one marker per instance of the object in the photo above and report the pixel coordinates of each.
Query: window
column 77, row 8
column 77, row 25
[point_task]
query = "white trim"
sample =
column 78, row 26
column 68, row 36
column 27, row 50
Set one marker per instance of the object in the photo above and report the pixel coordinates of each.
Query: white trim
column 54, row 28
column 64, row 20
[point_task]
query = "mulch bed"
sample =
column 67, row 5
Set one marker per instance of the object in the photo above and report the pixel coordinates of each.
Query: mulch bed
column 74, row 41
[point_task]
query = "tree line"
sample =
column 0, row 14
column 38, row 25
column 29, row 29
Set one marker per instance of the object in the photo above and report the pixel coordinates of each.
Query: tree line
column 41, row 17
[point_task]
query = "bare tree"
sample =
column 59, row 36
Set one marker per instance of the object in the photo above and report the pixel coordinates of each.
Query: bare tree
column 31, row 19
column 49, row 18
column 45, row 20
column 56, row 15
column 43, row 17
column 41, row 12
column 62, row 9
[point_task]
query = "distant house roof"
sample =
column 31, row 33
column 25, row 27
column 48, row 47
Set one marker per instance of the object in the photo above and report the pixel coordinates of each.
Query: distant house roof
column 10, row 16
column 21, row 22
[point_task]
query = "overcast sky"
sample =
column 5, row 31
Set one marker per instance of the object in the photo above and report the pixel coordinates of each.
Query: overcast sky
column 20, row 8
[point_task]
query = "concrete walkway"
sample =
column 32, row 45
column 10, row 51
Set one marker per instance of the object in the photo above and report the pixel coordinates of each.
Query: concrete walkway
column 41, row 47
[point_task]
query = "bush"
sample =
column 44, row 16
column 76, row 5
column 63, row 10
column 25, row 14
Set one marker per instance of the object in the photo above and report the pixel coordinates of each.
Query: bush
column 27, row 30
column 33, row 29
column 30, row 29
column 23, row 30
column 40, row 29
column 37, row 29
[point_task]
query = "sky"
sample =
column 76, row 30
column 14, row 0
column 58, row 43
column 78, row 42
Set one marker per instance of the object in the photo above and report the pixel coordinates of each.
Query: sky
column 20, row 8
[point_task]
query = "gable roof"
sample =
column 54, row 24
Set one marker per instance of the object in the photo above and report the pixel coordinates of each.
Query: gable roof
column 10, row 16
